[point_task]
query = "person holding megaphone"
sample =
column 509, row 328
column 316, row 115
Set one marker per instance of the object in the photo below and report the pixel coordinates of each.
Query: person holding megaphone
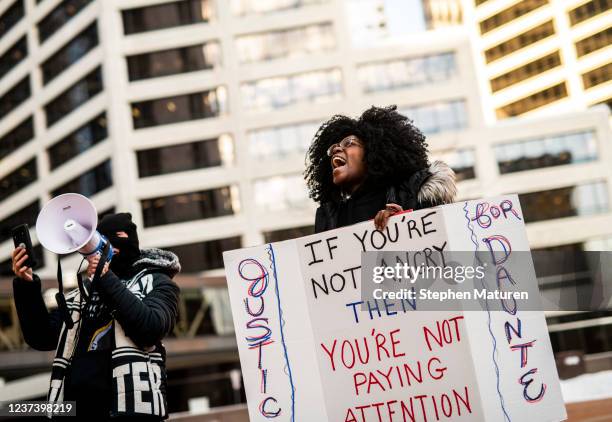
column 109, row 356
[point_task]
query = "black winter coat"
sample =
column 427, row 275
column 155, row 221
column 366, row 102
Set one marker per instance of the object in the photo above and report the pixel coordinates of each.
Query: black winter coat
column 144, row 321
column 427, row 188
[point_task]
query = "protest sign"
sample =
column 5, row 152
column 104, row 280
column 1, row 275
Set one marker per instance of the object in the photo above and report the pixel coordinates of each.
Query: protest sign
column 313, row 348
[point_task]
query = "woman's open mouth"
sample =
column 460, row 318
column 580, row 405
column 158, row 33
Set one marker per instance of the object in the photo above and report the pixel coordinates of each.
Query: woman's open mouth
column 337, row 161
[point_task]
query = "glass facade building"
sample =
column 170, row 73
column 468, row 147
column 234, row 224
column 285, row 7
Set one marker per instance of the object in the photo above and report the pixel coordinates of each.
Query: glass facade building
column 180, row 108
column 570, row 201
column 166, row 15
column 74, row 97
column 13, row 56
column 204, row 124
column 77, row 142
column 15, row 96
column 16, row 137
column 439, row 116
column 568, row 148
column 18, row 179
column 13, row 14
column 254, row 7
column 532, row 50
column 196, row 115
column 60, row 16
column 281, row 141
column 280, row 92
column 174, row 61
column 185, row 157
column 70, row 53
column 89, row 183
column 396, row 74
column 286, row 43
column 189, row 206
column 280, row 193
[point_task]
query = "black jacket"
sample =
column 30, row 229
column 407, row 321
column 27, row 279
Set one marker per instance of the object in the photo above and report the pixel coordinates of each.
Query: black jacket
column 424, row 189
column 145, row 321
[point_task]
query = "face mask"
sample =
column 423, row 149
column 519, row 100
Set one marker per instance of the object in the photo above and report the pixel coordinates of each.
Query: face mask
column 129, row 250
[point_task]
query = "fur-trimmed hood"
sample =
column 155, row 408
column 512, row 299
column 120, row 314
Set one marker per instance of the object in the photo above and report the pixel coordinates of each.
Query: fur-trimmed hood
column 159, row 258
column 440, row 187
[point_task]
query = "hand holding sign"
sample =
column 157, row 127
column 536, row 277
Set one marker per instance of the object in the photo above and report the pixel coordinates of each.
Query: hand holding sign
column 312, row 348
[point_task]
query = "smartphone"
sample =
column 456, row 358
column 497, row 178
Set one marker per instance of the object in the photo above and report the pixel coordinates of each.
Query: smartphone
column 21, row 237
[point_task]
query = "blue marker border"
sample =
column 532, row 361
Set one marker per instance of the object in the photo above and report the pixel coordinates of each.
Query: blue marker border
column 282, row 323
column 474, row 240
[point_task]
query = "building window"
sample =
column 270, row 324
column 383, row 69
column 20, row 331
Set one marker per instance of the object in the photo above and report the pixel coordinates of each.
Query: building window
column 89, row 183
column 286, row 234
column 564, row 268
column 58, row 17
column 15, row 96
column 607, row 102
column 539, row 99
column 166, row 15
column 185, row 157
column 280, row 92
column 16, row 137
column 594, row 42
column 106, row 212
column 204, row 256
column 527, row 71
column 281, row 193
column 286, row 43
column 18, row 179
column 586, row 199
column 13, row 56
column 462, row 161
column 597, row 76
column 556, row 150
column 189, row 206
column 408, row 72
column 174, row 61
column 525, row 39
column 249, row 7
column 281, row 141
column 593, row 339
column 75, row 96
column 78, row 141
column 588, row 10
column 438, row 117
column 6, row 266
column 26, row 215
column 181, row 108
column 558, row 260
column 11, row 16
column 511, row 13
column 70, row 53
column 596, row 244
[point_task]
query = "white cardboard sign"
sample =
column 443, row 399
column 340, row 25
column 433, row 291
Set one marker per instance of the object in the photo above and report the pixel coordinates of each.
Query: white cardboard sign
column 308, row 355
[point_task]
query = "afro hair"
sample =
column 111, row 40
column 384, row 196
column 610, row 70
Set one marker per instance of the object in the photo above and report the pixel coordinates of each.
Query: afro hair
column 394, row 149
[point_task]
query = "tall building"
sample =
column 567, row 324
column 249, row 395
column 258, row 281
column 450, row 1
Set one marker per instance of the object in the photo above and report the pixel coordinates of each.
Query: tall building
column 536, row 59
column 195, row 116
column 442, row 13
column 541, row 56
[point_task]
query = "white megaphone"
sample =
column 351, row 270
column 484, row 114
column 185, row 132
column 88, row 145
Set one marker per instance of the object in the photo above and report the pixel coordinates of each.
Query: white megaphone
column 67, row 224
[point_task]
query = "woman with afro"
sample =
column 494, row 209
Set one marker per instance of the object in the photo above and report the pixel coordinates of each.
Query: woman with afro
column 371, row 168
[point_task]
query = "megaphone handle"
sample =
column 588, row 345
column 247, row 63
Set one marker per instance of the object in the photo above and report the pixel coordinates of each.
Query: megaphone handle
column 103, row 259
column 60, row 299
